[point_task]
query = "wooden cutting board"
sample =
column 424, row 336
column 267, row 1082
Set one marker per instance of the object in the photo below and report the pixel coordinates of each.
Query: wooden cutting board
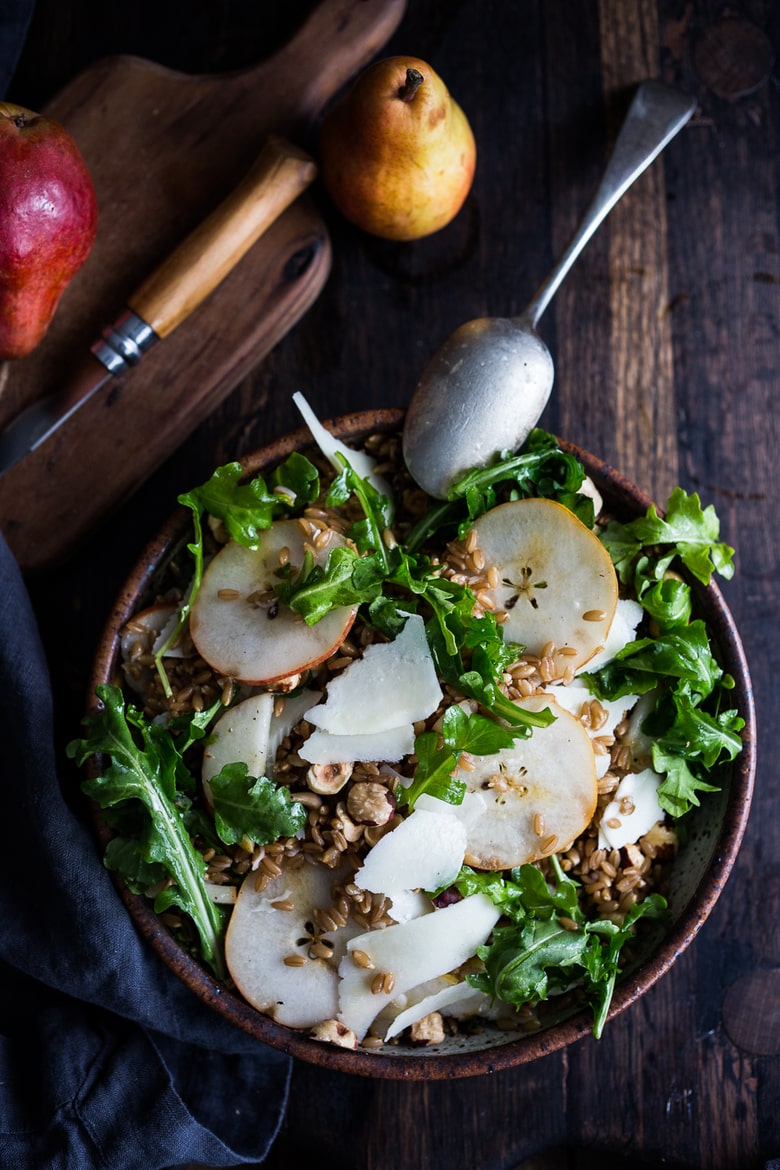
column 165, row 148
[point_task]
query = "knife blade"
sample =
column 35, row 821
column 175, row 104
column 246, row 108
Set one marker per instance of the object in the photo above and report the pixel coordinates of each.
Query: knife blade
column 171, row 293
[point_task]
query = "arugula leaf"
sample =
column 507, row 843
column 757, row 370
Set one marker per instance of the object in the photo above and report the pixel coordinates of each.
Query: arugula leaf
column 541, row 468
column 245, row 509
column 524, row 963
column 346, row 578
column 150, row 773
column 433, row 774
column 665, row 597
column 692, row 532
column 128, row 856
column 690, row 735
column 684, row 728
column 390, row 582
column 195, row 548
column 523, row 891
column 683, row 654
column 549, row 944
column 368, row 534
column 601, row 962
column 253, row 807
column 680, row 787
column 438, row 756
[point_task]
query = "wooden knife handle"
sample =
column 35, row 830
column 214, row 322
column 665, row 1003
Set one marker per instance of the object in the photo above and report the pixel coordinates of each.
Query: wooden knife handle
column 207, row 255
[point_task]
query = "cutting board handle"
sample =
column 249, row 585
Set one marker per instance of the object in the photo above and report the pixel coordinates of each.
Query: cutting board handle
column 207, row 255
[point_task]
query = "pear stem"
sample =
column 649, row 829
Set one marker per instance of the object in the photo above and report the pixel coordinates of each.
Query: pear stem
column 414, row 80
column 18, row 116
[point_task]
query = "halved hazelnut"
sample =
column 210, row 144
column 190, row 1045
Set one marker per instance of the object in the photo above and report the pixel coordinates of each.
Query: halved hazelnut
column 328, row 779
column 334, row 1032
column 370, row 803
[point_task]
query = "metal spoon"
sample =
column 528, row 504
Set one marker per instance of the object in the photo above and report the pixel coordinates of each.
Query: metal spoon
column 485, row 388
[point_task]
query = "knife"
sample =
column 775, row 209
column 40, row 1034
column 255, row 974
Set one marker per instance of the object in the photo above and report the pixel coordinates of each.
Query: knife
column 176, row 288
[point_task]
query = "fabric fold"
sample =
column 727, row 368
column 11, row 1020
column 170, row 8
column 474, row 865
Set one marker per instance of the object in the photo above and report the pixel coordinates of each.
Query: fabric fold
column 108, row 1060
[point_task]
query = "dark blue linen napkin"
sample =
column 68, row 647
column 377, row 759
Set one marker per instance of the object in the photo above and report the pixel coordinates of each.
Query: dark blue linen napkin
column 106, row 1059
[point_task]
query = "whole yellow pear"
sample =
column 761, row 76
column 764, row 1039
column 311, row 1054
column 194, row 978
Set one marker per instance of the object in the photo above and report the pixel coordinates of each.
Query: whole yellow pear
column 397, row 154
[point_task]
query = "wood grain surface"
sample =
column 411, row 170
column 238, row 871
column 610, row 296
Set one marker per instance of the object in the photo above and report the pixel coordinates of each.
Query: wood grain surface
column 666, row 339
column 165, row 149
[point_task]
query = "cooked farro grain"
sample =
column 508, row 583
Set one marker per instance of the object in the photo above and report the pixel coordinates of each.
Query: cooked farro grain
column 294, row 960
column 361, row 959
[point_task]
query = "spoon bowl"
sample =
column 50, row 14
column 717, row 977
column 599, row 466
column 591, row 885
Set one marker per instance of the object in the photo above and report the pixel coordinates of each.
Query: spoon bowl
column 491, row 360
column 486, row 387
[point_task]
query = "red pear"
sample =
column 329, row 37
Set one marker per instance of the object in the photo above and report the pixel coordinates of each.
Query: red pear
column 48, row 220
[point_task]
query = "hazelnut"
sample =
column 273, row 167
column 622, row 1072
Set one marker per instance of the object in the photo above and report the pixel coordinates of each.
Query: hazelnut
column 428, row 1030
column 370, row 803
column 328, row 779
column 334, row 1032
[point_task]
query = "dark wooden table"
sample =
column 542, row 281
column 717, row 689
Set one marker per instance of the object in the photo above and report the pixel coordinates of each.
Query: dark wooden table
column 666, row 339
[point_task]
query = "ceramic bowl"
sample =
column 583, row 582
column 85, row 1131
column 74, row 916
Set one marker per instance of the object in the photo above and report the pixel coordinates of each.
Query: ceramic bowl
column 699, row 873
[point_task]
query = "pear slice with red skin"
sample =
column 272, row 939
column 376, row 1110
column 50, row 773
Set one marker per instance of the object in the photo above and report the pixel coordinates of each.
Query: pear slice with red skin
column 261, row 644
column 540, row 794
column 557, row 582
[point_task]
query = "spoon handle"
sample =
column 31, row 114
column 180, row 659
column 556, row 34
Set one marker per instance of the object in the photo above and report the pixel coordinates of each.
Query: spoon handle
column 656, row 114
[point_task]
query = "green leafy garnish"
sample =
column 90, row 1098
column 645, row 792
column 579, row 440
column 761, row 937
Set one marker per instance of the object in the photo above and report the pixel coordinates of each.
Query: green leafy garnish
column 691, row 531
column 245, row 509
column 541, row 468
column 253, row 807
column 683, row 654
column 147, row 785
column 691, row 733
column 549, row 944
column 438, row 755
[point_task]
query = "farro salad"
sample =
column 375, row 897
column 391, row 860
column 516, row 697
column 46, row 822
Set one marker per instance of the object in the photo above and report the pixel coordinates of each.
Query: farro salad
column 393, row 768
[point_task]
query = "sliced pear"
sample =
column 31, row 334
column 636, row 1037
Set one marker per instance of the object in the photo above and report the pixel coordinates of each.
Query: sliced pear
column 144, row 629
column 293, row 709
column 262, row 935
column 250, row 733
column 576, row 696
column 241, row 735
column 140, row 637
column 557, row 582
column 411, row 952
column 392, row 684
column 260, row 645
column 540, row 794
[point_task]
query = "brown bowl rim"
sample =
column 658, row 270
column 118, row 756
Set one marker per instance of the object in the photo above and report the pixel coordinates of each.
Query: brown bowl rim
column 514, row 1052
